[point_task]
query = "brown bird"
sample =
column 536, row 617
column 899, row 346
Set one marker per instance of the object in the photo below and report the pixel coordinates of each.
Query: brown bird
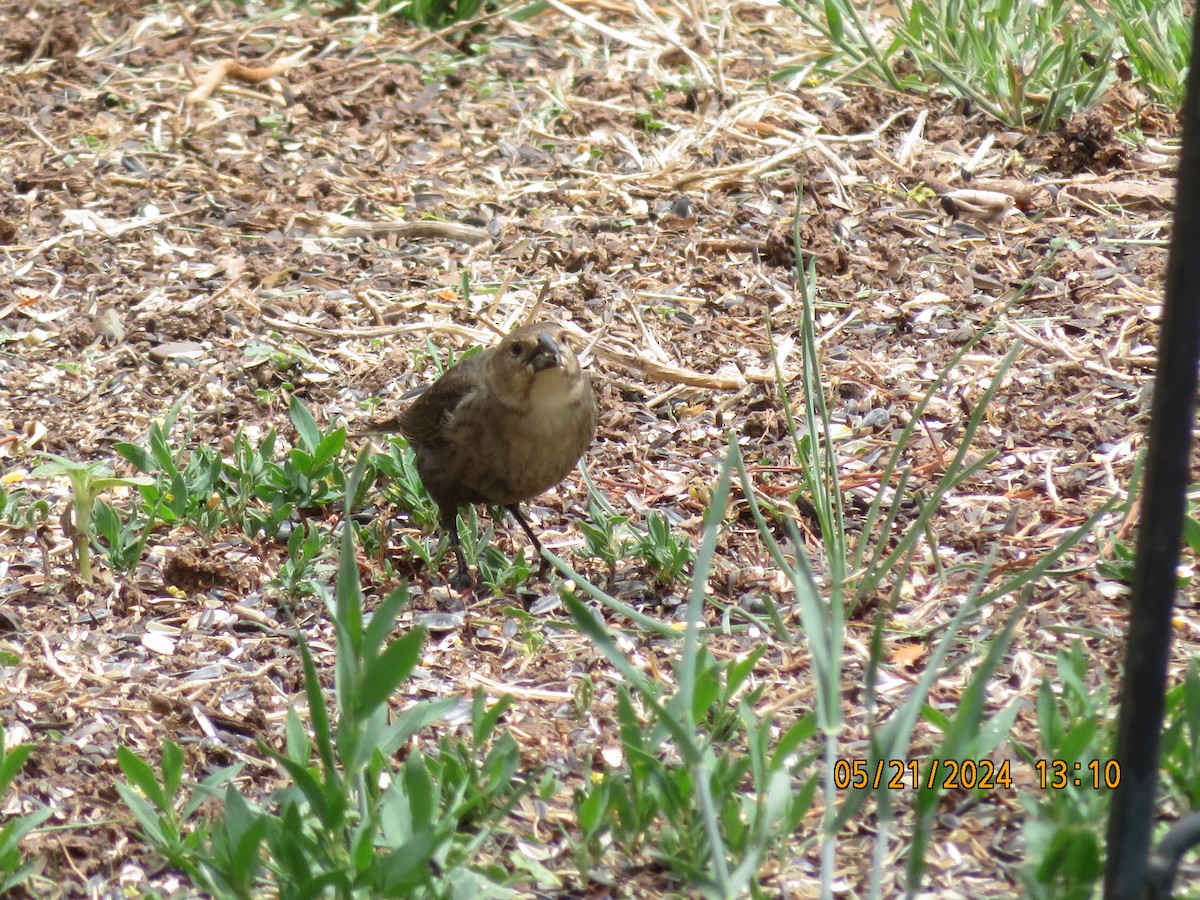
column 501, row 426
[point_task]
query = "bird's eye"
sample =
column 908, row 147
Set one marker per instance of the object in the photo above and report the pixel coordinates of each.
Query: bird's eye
column 516, row 349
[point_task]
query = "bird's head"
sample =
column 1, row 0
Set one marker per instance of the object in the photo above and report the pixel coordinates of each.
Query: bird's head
column 534, row 366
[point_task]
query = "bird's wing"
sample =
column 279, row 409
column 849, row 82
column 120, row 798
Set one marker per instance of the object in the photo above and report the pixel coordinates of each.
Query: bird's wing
column 424, row 421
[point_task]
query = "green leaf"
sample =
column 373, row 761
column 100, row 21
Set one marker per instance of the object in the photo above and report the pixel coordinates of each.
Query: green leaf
column 172, row 768
column 299, row 748
column 421, row 791
column 310, row 787
column 1191, row 533
column 317, row 712
column 329, row 447
column 409, row 863
column 161, row 452
column 136, row 455
column 384, row 620
column 802, row 730
column 486, row 720
column 386, row 672
column 589, row 811
column 12, row 761
column 306, row 425
column 142, row 777
column 146, row 815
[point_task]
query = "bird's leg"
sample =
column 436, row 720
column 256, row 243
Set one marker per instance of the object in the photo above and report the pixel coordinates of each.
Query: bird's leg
column 461, row 579
column 537, row 545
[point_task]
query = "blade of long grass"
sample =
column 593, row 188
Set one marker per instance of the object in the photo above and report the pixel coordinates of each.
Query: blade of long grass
column 954, row 475
column 649, row 623
column 714, row 518
column 891, row 740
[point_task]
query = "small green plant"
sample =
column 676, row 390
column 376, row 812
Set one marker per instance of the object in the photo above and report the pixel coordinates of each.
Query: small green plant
column 166, row 812
column 15, row 870
column 349, row 821
column 121, row 538
column 311, row 476
column 279, row 127
column 187, row 483
column 19, row 510
column 1064, row 833
column 1157, row 40
column 474, row 537
column 253, row 503
column 1119, row 565
column 402, row 485
column 1181, row 740
column 308, row 549
column 88, row 481
column 90, row 142
column 530, row 627
column 708, row 787
column 251, row 490
column 1022, row 62
column 665, row 552
column 435, row 13
column 648, row 122
column 284, row 359
column 420, row 549
column 605, row 531
column 499, row 572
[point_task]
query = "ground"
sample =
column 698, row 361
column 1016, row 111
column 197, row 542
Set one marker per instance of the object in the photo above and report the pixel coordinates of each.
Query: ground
column 636, row 179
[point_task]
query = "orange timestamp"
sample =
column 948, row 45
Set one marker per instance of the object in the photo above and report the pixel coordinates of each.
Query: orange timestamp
column 944, row 774
column 1057, row 774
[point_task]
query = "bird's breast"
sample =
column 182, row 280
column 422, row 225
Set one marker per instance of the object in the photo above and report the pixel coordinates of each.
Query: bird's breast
column 504, row 456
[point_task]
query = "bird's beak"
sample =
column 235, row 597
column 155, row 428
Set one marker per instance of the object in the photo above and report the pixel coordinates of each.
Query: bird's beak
column 546, row 355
